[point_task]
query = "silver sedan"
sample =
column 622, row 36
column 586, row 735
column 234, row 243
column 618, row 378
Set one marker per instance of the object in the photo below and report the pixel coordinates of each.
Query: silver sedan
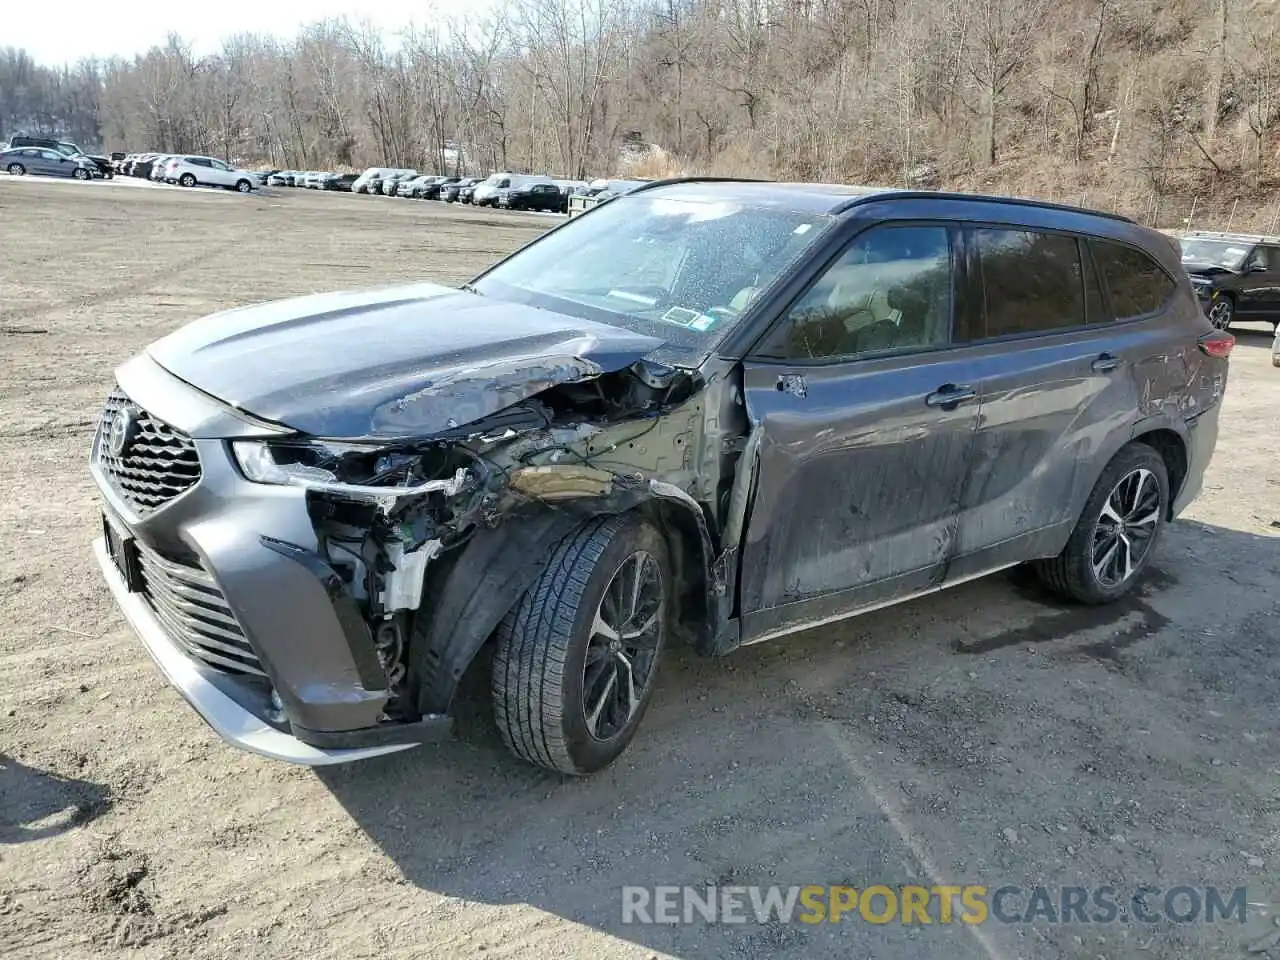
column 48, row 163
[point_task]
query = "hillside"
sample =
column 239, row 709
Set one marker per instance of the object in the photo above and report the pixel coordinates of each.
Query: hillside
column 1165, row 111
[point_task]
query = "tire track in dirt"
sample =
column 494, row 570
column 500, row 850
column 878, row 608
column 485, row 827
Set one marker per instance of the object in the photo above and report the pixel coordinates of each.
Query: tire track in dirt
column 132, row 287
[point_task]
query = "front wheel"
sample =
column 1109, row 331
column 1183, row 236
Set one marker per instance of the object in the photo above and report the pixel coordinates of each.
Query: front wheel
column 244, row 186
column 1222, row 313
column 16, row 169
column 575, row 661
column 1116, row 534
column 81, row 174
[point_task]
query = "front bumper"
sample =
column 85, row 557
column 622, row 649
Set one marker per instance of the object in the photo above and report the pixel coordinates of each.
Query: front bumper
column 230, row 720
column 253, row 546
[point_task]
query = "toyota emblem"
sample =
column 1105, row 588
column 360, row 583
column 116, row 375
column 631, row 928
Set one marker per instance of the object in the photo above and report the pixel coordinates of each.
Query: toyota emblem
column 123, row 429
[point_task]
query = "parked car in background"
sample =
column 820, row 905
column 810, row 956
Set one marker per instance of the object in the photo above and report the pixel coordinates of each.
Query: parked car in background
column 364, row 491
column 65, row 147
column 143, row 165
column 466, row 190
column 412, row 186
column 531, row 193
column 1235, row 275
column 281, row 178
column 341, row 182
column 485, row 193
column 391, row 182
column 432, row 189
column 1275, row 349
column 361, row 183
column 42, row 162
column 189, row 171
column 450, row 192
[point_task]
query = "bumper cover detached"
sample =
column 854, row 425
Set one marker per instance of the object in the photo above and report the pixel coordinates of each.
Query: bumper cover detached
column 212, row 696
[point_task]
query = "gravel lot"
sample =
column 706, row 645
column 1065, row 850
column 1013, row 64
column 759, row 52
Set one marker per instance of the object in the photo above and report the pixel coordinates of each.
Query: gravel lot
column 983, row 735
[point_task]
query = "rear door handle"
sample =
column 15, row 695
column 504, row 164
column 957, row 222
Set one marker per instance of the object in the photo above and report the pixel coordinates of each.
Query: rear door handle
column 950, row 395
column 1105, row 363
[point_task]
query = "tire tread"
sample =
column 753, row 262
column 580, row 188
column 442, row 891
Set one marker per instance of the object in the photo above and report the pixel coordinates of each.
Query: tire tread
column 533, row 641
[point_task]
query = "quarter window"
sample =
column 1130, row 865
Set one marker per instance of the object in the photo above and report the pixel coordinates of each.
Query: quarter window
column 890, row 291
column 1032, row 282
column 1137, row 284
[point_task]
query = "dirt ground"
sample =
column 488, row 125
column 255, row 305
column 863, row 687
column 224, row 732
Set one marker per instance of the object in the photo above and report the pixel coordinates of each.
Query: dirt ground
column 984, row 735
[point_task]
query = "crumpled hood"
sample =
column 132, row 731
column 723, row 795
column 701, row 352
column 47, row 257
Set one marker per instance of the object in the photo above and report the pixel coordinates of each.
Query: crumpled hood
column 395, row 363
column 1203, row 268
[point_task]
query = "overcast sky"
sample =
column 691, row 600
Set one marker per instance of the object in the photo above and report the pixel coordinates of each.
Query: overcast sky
column 94, row 28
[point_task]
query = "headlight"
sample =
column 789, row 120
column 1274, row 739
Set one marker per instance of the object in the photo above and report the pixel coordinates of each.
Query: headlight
column 263, row 462
column 364, row 471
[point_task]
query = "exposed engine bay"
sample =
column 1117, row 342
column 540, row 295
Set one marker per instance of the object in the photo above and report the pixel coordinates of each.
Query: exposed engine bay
column 384, row 516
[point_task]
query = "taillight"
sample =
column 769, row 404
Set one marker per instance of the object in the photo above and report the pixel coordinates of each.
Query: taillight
column 1217, row 344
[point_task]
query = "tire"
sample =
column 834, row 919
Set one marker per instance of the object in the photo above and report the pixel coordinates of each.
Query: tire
column 81, row 174
column 187, row 180
column 1222, row 312
column 545, row 650
column 1073, row 573
column 244, row 186
column 16, row 170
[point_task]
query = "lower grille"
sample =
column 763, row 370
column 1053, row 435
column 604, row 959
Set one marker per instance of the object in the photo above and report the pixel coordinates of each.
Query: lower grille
column 188, row 603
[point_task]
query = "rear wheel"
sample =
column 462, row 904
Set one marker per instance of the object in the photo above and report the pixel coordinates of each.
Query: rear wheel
column 16, row 169
column 575, row 660
column 1116, row 534
column 187, row 179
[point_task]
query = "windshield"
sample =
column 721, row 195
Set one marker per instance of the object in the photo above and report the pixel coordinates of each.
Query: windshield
column 1221, row 253
column 682, row 270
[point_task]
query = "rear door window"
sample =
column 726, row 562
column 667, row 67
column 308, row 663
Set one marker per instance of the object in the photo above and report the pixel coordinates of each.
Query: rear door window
column 1136, row 284
column 1032, row 281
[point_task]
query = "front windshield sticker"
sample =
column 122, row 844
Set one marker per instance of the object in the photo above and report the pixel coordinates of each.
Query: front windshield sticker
column 681, row 316
column 689, row 319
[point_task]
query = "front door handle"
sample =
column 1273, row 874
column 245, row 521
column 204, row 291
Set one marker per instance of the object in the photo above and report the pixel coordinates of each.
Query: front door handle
column 1105, row 363
column 950, row 395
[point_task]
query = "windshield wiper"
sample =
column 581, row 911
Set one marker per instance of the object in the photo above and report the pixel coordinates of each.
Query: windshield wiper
column 470, row 288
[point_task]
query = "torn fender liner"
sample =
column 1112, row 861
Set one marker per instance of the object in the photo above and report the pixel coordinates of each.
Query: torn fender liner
column 466, row 605
column 400, row 363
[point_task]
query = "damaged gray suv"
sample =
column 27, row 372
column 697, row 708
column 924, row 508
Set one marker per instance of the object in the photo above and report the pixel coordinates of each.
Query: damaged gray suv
column 708, row 412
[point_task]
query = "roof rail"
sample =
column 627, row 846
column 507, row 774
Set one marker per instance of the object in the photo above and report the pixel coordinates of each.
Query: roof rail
column 1019, row 201
column 1220, row 235
column 667, row 181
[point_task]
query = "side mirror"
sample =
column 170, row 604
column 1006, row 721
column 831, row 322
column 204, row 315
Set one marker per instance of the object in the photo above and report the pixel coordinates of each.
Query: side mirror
column 1258, row 268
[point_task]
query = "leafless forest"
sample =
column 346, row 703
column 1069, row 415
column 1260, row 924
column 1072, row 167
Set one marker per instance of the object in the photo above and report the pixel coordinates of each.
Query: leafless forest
column 1145, row 106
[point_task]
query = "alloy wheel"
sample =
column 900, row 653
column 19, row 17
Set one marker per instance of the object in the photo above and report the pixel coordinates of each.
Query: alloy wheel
column 623, row 646
column 1126, row 528
column 1220, row 314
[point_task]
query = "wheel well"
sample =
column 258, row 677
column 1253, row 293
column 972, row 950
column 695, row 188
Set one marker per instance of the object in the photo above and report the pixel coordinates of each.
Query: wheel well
column 688, row 564
column 1173, row 450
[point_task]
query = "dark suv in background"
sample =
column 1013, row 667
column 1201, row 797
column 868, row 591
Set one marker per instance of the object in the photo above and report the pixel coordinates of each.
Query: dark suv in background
column 706, row 412
column 1235, row 275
